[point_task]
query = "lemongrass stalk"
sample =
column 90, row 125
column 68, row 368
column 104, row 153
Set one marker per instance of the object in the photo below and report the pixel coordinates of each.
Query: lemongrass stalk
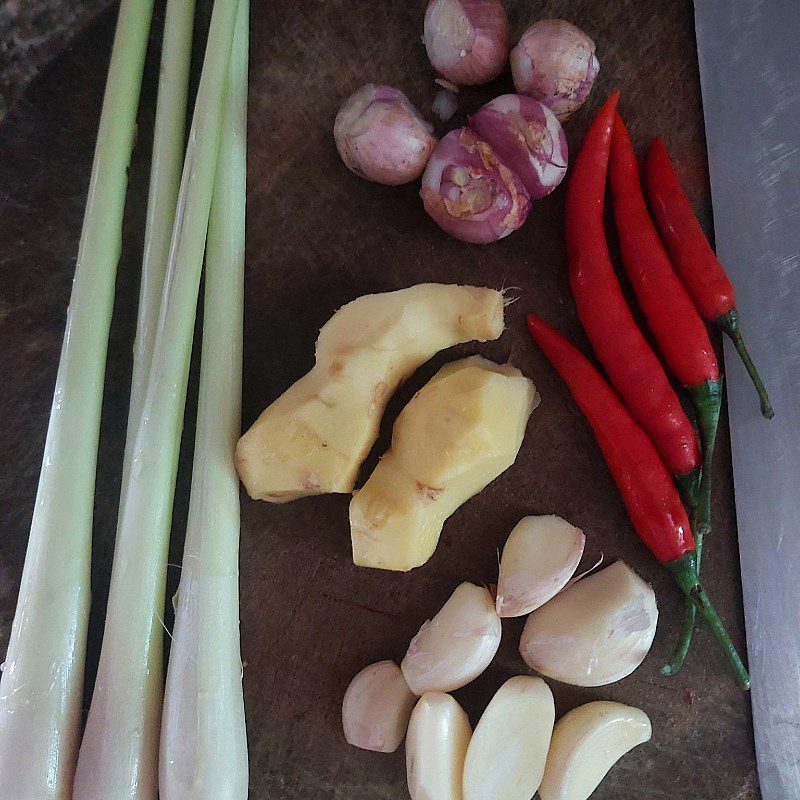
column 203, row 740
column 42, row 682
column 165, row 179
column 119, row 753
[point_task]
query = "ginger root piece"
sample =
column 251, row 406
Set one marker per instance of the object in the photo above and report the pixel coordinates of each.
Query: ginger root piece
column 456, row 435
column 313, row 438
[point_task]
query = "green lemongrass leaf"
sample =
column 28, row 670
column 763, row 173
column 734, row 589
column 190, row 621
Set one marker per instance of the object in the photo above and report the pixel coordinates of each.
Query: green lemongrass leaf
column 203, row 740
column 42, row 683
column 119, row 752
column 165, row 179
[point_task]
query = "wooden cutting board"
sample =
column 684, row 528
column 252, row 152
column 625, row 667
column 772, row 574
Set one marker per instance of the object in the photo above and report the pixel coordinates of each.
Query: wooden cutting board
column 318, row 237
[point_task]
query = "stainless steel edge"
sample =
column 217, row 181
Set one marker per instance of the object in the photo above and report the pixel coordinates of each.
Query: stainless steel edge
column 750, row 73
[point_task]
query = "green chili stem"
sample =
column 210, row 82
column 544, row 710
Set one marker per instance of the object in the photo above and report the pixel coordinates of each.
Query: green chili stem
column 684, row 571
column 707, row 398
column 730, row 324
column 681, row 650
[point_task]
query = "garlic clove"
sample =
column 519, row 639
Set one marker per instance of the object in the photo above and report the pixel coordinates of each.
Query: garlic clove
column 587, row 742
column 466, row 40
column 595, row 632
column 376, row 708
column 539, row 557
column 455, row 646
column 507, row 752
column 436, row 744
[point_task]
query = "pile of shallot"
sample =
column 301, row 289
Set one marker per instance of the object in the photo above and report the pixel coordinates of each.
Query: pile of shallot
column 589, row 631
column 477, row 181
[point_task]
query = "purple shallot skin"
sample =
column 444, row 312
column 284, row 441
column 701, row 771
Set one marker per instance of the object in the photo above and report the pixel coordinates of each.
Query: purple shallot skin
column 381, row 136
column 555, row 62
column 467, row 40
column 529, row 139
column 470, row 193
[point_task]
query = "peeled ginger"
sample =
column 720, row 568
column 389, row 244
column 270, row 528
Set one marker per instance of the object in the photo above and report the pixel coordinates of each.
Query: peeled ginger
column 456, row 435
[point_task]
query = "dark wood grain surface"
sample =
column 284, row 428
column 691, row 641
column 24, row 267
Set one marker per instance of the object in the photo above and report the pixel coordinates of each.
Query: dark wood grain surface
column 318, row 237
column 32, row 34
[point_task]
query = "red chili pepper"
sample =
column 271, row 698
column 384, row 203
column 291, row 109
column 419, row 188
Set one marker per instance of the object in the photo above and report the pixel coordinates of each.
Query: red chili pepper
column 670, row 312
column 677, row 327
column 656, row 510
column 702, row 274
column 631, row 365
column 648, row 493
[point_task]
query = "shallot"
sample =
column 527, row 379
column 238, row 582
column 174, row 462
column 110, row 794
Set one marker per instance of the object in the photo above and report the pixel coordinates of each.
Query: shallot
column 455, row 646
column 382, row 137
column 376, row 708
column 555, row 62
column 467, row 40
column 595, row 632
column 436, row 745
column 470, row 193
column 540, row 556
column 507, row 753
column 529, row 139
column 586, row 743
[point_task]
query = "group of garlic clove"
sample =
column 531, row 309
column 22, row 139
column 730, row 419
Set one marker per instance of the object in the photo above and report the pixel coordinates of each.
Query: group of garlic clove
column 587, row 632
column 449, row 651
column 516, row 749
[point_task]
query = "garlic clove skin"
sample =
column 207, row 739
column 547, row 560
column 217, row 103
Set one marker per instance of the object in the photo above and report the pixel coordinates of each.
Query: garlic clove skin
column 376, row 708
column 466, row 40
column 555, row 62
column 470, row 193
column 382, row 137
column 507, row 753
column 539, row 558
column 436, row 745
column 455, row 646
column 595, row 632
column 586, row 743
column 527, row 137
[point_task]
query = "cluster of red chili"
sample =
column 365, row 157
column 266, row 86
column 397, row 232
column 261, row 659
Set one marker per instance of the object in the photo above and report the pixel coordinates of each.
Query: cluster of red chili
column 645, row 435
